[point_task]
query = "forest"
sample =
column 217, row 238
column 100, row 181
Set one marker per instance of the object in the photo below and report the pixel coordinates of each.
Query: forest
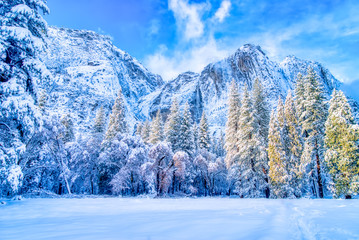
column 306, row 146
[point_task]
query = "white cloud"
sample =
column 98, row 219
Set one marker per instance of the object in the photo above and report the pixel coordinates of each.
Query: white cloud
column 200, row 48
column 223, row 11
column 188, row 17
column 194, row 59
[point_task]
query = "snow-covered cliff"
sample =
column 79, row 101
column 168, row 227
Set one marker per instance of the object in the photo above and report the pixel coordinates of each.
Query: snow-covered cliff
column 88, row 71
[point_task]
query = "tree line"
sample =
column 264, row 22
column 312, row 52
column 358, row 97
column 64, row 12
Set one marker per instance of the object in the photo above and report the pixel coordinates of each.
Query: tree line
column 306, row 146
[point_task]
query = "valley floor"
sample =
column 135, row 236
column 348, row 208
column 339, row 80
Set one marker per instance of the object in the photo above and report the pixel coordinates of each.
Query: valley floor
column 186, row 218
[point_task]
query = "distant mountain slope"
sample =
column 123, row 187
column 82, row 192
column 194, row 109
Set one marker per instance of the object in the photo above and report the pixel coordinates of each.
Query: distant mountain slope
column 88, row 70
column 87, row 73
column 209, row 89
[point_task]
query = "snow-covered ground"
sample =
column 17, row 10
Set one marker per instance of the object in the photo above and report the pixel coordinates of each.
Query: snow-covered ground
column 187, row 218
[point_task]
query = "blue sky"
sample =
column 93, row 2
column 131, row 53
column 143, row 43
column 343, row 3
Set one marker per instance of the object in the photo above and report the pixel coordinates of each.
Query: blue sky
column 174, row 36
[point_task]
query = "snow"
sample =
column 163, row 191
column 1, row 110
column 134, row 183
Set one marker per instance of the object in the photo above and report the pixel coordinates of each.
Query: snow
column 186, row 218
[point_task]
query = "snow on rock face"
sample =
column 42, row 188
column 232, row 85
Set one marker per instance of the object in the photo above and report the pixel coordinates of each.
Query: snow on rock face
column 248, row 63
column 185, row 88
column 88, row 72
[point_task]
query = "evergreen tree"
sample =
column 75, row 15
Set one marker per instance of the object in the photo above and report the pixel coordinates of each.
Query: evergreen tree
column 261, row 118
column 156, row 133
column 294, row 147
column 220, row 145
column 67, row 135
column 300, row 96
column 195, row 136
column 99, row 125
column 117, row 122
column 232, row 124
column 186, row 136
column 262, row 112
column 342, row 139
column 22, row 32
column 139, row 128
column 204, row 140
column 42, row 99
column 145, row 132
column 173, row 126
column 277, row 158
column 313, row 117
column 243, row 167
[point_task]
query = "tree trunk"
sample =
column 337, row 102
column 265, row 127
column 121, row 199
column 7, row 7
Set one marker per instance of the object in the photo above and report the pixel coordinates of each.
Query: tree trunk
column 348, row 197
column 67, row 185
column 320, row 184
column 60, row 189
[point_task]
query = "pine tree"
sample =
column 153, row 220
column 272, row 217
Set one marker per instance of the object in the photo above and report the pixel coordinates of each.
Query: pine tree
column 244, row 161
column 277, row 158
column 261, row 118
column 22, row 32
column 186, row 135
column 262, row 112
column 195, row 136
column 232, row 124
column 99, row 125
column 300, row 96
column 220, row 145
column 156, row 133
column 117, row 122
column 294, row 147
column 341, row 140
column 204, row 140
column 139, row 128
column 173, row 126
column 145, row 132
column 312, row 119
column 67, row 135
column 42, row 99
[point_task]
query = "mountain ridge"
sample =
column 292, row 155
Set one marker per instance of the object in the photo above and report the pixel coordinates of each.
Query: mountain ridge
column 209, row 89
column 88, row 70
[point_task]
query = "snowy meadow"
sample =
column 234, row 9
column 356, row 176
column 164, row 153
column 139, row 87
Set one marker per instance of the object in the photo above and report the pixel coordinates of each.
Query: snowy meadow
column 186, row 218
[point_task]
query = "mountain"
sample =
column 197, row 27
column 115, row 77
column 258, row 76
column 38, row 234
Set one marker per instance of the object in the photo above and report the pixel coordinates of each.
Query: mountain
column 87, row 72
column 209, row 90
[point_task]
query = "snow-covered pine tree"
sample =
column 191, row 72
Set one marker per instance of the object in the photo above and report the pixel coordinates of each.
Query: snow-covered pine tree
column 220, row 145
column 277, row 158
column 294, row 146
column 139, row 129
column 145, row 131
column 203, row 135
column 313, row 119
column 67, row 135
column 186, row 135
column 261, row 117
column 262, row 111
column 117, row 122
column 300, row 96
column 232, row 124
column 42, row 99
column 244, row 161
column 99, row 124
column 173, row 126
column 156, row 133
column 341, row 140
column 195, row 136
column 22, row 30
column 86, row 162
